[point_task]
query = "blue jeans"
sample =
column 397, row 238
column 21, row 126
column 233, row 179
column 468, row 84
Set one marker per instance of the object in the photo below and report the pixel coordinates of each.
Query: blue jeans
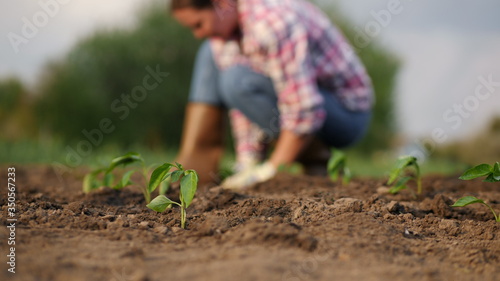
column 254, row 95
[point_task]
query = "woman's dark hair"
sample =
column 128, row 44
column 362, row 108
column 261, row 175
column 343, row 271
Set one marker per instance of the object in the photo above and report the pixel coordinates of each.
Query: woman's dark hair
column 197, row 4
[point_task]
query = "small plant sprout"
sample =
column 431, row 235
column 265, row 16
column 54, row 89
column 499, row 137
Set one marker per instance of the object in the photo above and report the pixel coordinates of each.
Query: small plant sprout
column 492, row 173
column 292, row 169
column 92, row 181
column 188, row 186
column 399, row 176
column 337, row 167
column 467, row 200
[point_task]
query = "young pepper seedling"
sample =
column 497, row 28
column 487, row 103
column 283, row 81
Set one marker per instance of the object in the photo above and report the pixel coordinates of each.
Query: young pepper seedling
column 337, row 166
column 467, row 200
column 398, row 173
column 492, row 174
column 188, row 186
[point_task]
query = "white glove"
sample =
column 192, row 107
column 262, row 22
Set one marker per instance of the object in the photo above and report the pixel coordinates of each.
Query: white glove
column 249, row 176
column 245, row 164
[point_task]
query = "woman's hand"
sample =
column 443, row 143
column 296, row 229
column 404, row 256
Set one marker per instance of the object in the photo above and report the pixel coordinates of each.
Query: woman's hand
column 288, row 148
column 251, row 175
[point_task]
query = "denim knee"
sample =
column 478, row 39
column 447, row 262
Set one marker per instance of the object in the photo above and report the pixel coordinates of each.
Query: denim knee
column 240, row 87
column 204, row 52
column 204, row 85
column 231, row 88
column 252, row 94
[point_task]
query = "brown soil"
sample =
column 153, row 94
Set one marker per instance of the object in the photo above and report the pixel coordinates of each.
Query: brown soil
column 290, row 228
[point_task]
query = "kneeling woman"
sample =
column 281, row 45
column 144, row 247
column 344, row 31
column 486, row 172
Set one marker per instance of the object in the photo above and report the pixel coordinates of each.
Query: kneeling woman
column 287, row 76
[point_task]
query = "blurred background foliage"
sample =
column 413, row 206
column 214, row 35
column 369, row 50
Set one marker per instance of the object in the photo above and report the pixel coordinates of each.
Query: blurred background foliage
column 107, row 66
column 484, row 147
column 17, row 118
column 77, row 91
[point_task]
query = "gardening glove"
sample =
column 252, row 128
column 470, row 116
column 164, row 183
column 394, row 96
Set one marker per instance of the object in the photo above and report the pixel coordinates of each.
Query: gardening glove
column 249, row 176
column 245, row 164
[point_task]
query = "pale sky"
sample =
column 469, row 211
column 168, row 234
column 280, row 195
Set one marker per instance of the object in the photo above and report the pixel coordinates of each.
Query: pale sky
column 445, row 48
column 72, row 20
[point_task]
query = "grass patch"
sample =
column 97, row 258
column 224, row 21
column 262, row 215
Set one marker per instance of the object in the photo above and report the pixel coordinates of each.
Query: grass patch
column 51, row 151
column 376, row 165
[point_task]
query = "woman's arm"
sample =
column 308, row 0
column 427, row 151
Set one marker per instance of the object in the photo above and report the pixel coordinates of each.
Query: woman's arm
column 288, row 148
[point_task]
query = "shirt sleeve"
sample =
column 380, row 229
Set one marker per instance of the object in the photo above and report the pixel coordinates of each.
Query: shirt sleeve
column 249, row 140
column 284, row 45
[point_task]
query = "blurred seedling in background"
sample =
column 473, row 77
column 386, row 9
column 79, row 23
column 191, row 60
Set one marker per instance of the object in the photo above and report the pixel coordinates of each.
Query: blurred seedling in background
column 337, row 167
column 292, row 169
column 188, row 186
column 468, row 200
column 492, row 173
column 106, row 177
column 405, row 170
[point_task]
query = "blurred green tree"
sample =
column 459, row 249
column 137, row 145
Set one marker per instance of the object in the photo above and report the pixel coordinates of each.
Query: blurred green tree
column 16, row 111
column 11, row 90
column 93, row 80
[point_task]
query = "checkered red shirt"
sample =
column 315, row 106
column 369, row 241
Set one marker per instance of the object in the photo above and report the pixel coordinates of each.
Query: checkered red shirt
column 295, row 44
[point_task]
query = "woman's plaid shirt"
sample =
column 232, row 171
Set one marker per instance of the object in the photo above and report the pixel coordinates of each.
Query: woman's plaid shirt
column 295, row 44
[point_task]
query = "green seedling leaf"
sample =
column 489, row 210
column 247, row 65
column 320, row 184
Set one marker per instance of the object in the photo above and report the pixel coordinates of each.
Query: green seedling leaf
column 496, row 170
column 90, row 181
column 125, row 180
column 402, row 163
column 400, row 185
column 476, row 172
column 293, row 168
column 467, row 200
column 347, row 176
column 164, row 187
column 336, row 161
column 398, row 177
column 397, row 188
column 189, row 184
column 176, row 175
column 127, row 159
column 159, row 175
column 160, row 203
column 108, row 180
column 337, row 166
column 334, row 175
column 179, row 166
column 492, row 178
